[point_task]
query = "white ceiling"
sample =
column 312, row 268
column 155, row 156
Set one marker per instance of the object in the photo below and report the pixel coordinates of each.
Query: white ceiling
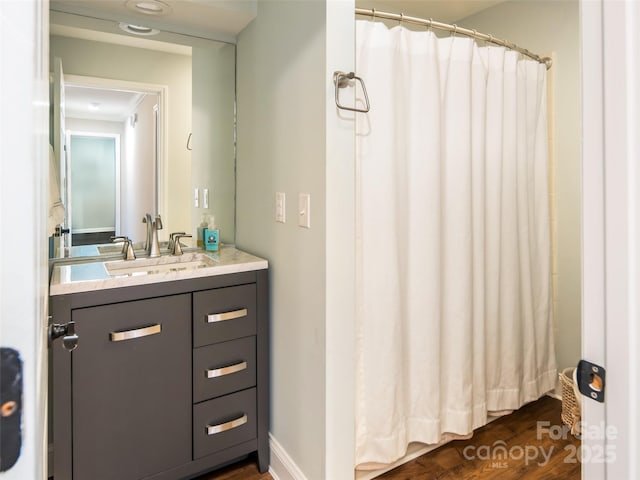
column 113, row 105
column 213, row 19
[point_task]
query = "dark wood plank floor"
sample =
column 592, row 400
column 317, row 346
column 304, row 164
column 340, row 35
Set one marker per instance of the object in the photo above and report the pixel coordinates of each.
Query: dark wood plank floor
column 531, row 452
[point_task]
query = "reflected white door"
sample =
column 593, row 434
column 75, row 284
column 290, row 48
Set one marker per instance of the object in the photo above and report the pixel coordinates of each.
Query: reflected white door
column 93, row 182
column 24, row 132
column 60, row 144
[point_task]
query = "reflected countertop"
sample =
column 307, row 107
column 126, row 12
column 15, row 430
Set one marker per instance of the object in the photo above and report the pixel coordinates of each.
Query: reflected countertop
column 91, row 276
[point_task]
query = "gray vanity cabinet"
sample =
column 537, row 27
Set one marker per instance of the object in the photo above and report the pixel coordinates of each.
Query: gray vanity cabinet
column 132, row 371
column 168, row 381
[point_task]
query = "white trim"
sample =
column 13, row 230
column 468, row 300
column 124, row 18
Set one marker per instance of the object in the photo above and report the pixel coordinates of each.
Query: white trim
column 92, row 230
column 621, row 111
column 633, row 153
column 282, row 466
column 340, row 267
column 113, row 84
column 593, row 245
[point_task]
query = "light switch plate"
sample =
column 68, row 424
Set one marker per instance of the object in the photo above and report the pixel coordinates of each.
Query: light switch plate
column 280, row 207
column 205, row 198
column 304, row 210
column 196, row 197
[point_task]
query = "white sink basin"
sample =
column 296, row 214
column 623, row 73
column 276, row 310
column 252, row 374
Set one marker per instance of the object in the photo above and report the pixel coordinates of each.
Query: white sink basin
column 107, row 249
column 166, row 263
column 111, row 248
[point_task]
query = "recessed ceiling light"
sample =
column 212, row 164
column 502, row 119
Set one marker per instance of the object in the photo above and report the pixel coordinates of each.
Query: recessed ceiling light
column 94, row 106
column 149, row 7
column 138, row 29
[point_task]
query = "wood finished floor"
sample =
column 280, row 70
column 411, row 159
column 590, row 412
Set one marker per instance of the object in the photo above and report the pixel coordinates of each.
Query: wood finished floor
column 518, row 431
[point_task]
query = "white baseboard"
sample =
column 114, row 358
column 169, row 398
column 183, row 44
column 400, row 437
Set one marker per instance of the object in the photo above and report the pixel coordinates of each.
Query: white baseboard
column 282, row 466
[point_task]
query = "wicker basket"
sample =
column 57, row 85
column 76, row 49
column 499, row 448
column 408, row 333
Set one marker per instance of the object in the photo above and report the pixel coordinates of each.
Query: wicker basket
column 570, row 401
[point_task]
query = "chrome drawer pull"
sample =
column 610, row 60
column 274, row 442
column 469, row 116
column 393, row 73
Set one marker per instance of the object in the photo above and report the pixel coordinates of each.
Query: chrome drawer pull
column 221, row 372
column 137, row 333
column 223, row 427
column 220, row 317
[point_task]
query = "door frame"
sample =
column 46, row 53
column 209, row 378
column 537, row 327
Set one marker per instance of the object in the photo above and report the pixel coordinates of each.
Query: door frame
column 162, row 142
column 610, row 232
column 24, row 207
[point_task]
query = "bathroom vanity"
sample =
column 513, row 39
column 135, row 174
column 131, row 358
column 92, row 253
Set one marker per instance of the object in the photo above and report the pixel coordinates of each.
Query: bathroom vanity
column 170, row 377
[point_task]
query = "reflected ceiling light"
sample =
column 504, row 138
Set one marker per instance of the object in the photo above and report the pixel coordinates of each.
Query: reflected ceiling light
column 149, row 7
column 138, row 29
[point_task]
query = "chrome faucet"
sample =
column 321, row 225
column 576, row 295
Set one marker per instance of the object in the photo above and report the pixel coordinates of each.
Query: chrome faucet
column 176, row 248
column 127, row 247
column 172, row 236
column 152, row 246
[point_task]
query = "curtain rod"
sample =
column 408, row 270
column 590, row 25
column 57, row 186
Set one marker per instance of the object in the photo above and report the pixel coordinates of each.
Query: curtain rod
column 454, row 29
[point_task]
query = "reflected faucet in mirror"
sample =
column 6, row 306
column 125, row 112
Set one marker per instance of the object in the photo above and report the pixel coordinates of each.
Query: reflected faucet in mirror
column 152, row 246
column 127, row 247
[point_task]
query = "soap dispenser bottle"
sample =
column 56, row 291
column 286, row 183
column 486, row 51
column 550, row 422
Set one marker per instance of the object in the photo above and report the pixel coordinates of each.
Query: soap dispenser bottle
column 212, row 237
column 204, row 224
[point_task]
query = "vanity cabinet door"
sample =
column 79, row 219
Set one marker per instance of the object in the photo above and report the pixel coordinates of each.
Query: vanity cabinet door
column 131, row 388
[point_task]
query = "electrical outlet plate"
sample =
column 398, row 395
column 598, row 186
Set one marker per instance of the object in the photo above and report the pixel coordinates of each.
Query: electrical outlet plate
column 280, row 207
column 304, row 210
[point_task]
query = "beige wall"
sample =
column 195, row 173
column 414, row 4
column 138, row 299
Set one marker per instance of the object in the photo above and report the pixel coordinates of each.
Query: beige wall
column 545, row 27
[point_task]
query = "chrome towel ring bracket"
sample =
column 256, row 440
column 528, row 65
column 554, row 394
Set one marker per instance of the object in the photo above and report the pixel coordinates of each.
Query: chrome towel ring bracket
column 341, row 80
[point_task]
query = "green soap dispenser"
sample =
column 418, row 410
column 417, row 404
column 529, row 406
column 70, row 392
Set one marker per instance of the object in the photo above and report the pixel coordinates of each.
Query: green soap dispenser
column 212, row 237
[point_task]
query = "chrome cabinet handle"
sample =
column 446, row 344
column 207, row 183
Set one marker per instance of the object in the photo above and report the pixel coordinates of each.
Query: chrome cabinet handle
column 220, row 372
column 220, row 317
column 223, row 427
column 136, row 333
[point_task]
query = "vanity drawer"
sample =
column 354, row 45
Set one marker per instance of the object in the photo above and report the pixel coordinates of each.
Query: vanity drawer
column 224, row 368
column 224, row 314
column 224, row 422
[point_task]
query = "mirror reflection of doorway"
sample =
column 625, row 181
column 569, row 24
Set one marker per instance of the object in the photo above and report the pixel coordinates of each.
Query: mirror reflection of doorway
column 113, row 135
column 94, row 164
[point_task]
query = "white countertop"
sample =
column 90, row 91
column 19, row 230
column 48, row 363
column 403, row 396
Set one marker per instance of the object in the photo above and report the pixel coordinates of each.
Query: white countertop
column 91, row 276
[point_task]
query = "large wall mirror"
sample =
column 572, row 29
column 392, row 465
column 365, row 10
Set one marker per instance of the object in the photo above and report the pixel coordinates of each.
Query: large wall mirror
column 143, row 122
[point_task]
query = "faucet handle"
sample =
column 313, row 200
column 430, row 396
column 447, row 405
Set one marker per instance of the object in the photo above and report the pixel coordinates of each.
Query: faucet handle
column 127, row 247
column 118, row 239
column 158, row 223
column 177, row 248
column 172, row 240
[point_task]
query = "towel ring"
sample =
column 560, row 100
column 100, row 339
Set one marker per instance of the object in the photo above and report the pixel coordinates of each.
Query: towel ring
column 340, row 80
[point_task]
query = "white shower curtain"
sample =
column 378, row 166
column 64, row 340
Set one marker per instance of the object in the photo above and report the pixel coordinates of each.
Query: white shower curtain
column 453, row 249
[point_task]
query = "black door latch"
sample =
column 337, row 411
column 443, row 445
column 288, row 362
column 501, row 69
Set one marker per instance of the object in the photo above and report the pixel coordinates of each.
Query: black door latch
column 67, row 332
column 10, row 407
column 591, row 380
